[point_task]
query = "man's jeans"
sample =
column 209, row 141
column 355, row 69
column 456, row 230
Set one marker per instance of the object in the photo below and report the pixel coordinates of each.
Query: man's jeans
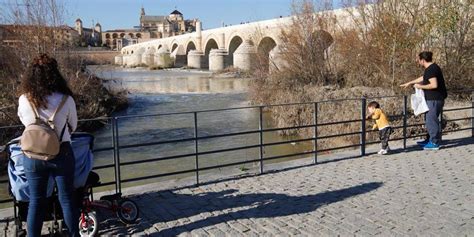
column 37, row 173
column 432, row 120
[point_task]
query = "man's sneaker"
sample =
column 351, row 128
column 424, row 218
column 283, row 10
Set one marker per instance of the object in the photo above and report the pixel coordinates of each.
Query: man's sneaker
column 422, row 143
column 382, row 152
column 431, row 146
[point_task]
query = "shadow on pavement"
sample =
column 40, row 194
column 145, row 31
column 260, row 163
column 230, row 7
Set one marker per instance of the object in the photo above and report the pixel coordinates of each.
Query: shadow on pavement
column 235, row 206
column 445, row 144
column 244, row 206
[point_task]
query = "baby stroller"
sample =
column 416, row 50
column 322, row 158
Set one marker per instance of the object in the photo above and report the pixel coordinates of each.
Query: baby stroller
column 85, row 179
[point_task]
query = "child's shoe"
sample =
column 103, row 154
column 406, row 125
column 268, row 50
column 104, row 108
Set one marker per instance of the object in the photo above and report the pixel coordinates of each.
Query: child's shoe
column 431, row 146
column 383, row 152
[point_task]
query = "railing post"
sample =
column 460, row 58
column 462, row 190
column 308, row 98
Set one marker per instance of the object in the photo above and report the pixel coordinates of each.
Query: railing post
column 405, row 120
column 363, row 130
column 196, row 150
column 315, row 136
column 115, row 140
column 260, row 128
column 472, row 114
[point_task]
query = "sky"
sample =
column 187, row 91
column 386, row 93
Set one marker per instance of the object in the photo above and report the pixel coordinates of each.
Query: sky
column 120, row 14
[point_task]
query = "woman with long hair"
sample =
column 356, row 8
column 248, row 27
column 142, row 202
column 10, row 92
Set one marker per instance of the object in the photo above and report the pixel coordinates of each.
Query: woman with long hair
column 44, row 88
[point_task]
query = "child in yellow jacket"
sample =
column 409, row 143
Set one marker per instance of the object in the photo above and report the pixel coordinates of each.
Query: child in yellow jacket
column 382, row 124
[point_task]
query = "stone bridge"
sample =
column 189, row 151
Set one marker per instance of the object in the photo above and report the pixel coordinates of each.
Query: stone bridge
column 215, row 49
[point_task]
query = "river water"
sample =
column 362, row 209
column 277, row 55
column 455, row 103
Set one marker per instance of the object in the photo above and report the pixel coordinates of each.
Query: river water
column 166, row 91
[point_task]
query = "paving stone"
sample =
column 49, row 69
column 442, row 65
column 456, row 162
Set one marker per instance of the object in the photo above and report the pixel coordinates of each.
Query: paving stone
column 413, row 193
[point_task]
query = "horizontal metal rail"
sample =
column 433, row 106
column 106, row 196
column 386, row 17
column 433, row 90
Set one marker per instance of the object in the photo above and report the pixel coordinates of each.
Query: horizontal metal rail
column 339, row 135
column 458, row 119
column 339, row 122
column 287, row 142
column 340, row 147
column 458, row 109
column 318, row 125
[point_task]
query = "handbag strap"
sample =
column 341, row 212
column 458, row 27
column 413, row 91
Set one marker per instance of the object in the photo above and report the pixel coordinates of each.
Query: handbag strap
column 37, row 117
column 62, row 132
column 61, row 104
column 51, row 119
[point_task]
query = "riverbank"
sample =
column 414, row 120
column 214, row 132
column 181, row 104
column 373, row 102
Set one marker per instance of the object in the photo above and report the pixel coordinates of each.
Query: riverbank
column 92, row 99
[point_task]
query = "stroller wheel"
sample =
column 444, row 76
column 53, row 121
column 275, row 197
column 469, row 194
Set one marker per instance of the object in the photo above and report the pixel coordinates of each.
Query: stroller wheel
column 88, row 224
column 128, row 211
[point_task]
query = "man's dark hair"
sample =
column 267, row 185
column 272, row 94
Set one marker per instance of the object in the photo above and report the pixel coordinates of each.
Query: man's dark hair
column 374, row 104
column 426, row 55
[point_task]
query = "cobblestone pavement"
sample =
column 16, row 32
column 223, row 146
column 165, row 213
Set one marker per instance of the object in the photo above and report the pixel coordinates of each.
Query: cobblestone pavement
column 402, row 194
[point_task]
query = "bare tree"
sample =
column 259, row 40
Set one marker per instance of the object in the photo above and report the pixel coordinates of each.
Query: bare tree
column 32, row 27
column 367, row 49
column 386, row 37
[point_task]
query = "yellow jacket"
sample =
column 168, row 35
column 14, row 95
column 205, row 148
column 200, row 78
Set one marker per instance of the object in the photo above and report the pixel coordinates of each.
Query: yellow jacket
column 381, row 120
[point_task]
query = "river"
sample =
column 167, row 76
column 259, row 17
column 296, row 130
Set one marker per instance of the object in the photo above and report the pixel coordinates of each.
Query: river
column 166, row 91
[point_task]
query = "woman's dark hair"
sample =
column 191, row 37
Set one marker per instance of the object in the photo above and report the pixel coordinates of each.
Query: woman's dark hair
column 426, row 55
column 42, row 79
column 374, row 104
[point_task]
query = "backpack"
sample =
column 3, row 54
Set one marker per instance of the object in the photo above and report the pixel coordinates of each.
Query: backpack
column 39, row 139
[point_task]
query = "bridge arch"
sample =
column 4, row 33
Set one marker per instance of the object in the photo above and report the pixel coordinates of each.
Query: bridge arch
column 190, row 46
column 234, row 43
column 174, row 46
column 265, row 46
column 323, row 39
column 211, row 39
column 210, row 44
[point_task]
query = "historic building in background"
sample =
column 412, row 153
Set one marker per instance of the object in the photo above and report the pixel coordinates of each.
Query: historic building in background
column 16, row 35
column 151, row 27
column 88, row 36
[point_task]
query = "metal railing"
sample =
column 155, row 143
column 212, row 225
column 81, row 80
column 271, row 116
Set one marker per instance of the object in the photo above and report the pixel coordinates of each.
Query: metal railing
column 316, row 126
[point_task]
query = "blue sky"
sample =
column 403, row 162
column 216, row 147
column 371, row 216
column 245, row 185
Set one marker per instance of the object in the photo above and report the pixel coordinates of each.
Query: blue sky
column 114, row 14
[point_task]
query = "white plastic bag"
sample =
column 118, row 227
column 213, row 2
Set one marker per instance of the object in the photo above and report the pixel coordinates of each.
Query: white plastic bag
column 418, row 102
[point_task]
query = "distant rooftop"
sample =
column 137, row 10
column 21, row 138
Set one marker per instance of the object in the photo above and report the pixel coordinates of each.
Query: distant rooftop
column 176, row 12
column 153, row 18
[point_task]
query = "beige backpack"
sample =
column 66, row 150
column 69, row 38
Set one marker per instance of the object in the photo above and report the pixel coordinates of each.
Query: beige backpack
column 39, row 139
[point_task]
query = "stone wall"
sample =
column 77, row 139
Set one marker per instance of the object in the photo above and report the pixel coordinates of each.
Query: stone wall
column 98, row 57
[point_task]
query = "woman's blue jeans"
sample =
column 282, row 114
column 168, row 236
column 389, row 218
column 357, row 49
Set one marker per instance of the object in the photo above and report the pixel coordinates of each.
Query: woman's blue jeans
column 37, row 173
